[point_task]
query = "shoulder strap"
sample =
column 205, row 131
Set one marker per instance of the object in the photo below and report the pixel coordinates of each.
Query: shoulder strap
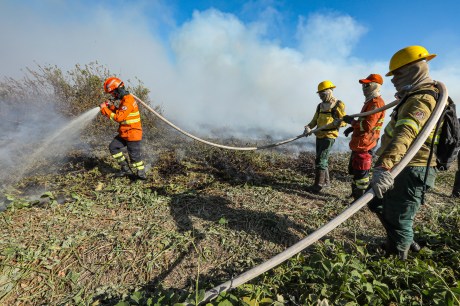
column 420, row 92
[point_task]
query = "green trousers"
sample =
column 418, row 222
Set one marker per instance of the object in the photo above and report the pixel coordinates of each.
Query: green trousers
column 399, row 206
column 323, row 147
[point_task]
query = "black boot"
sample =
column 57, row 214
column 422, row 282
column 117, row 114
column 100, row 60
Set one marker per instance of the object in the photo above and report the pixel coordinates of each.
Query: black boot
column 356, row 192
column 415, row 247
column 388, row 248
column 320, row 177
column 327, row 181
column 402, row 255
column 456, row 190
column 124, row 169
column 141, row 174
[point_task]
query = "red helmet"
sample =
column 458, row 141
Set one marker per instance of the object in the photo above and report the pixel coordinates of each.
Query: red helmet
column 112, row 83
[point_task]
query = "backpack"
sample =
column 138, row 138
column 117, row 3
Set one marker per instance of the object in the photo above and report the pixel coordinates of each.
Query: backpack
column 448, row 145
column 449, row 139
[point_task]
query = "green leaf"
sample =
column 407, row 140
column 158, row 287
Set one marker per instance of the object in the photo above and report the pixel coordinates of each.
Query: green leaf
column 225, row 303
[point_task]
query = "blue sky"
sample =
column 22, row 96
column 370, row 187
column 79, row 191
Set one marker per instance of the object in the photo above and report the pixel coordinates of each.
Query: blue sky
column 235, row 67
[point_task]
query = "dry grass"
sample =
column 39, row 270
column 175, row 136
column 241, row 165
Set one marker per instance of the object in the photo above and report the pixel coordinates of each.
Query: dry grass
column 202, row 213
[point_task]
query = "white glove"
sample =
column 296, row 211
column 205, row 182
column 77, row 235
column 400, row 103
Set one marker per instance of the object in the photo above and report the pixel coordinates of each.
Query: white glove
column 382, row 181
column 307, row 131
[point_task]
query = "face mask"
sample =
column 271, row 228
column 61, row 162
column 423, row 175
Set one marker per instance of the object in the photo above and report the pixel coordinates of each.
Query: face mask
column 410, row 77
column 371, row 90
column 325, row 95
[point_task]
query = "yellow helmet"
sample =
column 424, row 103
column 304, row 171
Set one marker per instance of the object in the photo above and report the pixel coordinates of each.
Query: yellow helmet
column 408, row 55
column 325, row 85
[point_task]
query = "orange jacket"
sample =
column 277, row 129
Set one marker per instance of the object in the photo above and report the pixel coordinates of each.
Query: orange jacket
column 366, row 130
column 128, row 116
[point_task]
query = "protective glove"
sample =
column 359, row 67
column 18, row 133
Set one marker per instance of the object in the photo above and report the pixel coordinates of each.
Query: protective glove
column 337, row 122
column 347, row 131
column 104, row 104
column 307, row 131
column 382, row 181
column 348, row 119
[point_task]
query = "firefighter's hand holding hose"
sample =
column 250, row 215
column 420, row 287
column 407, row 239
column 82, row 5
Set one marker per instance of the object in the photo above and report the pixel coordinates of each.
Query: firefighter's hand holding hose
column 348, row 119
column 382, row 181
column 308, row 131
column 104, row 104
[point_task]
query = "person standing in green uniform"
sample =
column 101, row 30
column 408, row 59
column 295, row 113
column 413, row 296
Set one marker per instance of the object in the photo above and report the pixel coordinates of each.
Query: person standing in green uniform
column 399, row 199
column 330, row 110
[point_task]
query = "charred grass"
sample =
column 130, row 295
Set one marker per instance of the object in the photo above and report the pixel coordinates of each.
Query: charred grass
column 77, row 235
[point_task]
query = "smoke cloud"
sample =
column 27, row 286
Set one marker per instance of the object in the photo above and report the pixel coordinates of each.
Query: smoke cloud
column 215, row 75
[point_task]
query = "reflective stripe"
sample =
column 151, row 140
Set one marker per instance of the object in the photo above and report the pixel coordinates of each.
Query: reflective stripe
column 131, row 121
column 111, row 116
column 139, row 165
column 133, row 114
column 409, row 122
column 361, row 126
column 119, row 157
column 362, row 183
column 389, row 130
column 377, row 128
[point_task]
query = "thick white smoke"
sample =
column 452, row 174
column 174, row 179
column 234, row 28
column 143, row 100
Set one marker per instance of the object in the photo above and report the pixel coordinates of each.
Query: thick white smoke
column 211, row 74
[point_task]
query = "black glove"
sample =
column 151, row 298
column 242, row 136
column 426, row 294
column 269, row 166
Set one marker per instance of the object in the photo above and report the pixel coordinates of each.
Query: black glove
column 347, row 119
column 347, row 131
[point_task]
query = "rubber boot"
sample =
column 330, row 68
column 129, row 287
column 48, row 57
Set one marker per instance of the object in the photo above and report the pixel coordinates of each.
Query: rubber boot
column 124, row 169
column 320, row 178
column 456, row 190
column 388, row 248
column 414, row 247
column 327, row 181
column 141, row 174
column 402, row 255
column 356, row 193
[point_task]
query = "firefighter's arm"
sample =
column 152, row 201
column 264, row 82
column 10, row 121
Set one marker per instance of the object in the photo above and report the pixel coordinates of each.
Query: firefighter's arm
column 370, row 121
column 341, row 113
column 107, row 108
column 411, row 118
column 313, row 121
column 122, row 112
column 119, row 114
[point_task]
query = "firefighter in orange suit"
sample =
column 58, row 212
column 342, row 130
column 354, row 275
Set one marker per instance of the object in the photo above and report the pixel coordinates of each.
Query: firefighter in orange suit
column 366, row 133
column 130, row 130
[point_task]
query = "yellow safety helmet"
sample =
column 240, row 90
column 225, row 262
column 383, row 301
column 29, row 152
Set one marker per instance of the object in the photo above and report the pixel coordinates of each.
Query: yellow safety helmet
column 325, row 85
column 408, row 55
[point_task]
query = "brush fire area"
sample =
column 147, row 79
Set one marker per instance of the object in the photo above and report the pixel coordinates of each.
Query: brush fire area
column 72, row 233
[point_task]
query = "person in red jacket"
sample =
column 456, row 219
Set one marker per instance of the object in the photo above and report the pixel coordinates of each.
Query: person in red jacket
column 130, row 129
column 366, row 133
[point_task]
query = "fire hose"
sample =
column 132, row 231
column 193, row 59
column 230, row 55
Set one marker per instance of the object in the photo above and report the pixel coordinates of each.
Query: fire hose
column 260, row 147
column 347, row 213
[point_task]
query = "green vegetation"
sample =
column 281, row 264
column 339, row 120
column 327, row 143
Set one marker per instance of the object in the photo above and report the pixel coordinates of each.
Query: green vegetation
column 73, row 234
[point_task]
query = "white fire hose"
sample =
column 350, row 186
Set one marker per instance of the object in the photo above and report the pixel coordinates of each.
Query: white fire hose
column 261, row 147
column 347, row 213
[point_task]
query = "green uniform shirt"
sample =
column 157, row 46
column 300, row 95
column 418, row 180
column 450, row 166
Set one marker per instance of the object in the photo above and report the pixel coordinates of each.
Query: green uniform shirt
column 401, row 132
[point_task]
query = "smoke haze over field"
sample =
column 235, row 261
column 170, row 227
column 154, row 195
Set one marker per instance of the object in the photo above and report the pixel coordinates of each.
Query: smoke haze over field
column 215, row 71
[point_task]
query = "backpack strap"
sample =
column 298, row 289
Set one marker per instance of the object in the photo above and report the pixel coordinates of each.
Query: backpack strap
column 334, row 113
column 420, row 92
